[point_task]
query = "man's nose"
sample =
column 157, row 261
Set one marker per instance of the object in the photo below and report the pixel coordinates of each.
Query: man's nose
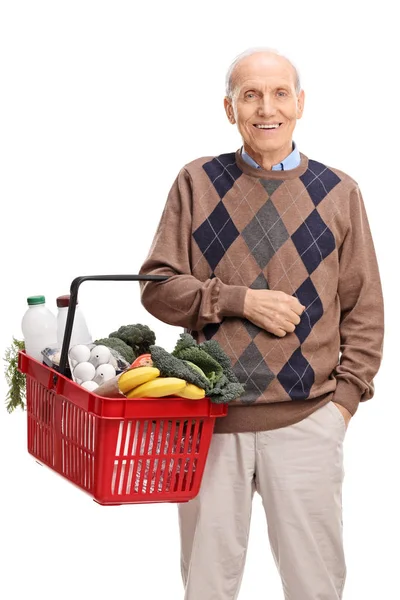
column 267, row 106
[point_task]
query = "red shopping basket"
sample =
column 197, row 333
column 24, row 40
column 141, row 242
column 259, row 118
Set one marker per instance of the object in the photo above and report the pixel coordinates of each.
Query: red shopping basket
column 120, row 451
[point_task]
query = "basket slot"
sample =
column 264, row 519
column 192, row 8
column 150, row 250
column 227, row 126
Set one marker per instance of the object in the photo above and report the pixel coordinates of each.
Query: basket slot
column 184, row 451
column 146, row 464
column 144, row 440
column 173, row 471
column 153, row 451
column 40, row 421
column 194, row 441
column 77, row 445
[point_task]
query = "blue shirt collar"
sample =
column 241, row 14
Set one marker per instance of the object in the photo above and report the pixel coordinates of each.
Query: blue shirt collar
column 290, row 162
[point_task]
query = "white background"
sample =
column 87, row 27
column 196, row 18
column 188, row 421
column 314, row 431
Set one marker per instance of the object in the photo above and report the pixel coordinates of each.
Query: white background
column 101, row 104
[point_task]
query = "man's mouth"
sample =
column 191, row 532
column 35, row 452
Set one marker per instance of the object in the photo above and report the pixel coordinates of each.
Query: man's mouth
column 267, row 125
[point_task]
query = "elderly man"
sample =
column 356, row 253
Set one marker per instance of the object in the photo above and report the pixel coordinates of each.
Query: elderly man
column 270, row 253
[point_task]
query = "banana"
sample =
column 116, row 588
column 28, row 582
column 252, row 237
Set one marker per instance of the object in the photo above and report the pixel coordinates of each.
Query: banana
column 161, row 386
column 133, row 377
column 192, row 392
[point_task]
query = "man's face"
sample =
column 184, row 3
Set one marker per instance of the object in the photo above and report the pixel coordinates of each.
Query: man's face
column 265, row 94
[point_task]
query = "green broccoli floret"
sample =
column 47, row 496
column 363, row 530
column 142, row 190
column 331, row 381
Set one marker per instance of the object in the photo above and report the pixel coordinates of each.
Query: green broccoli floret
column 138, row 337
column 170, row 366
column 117, row 344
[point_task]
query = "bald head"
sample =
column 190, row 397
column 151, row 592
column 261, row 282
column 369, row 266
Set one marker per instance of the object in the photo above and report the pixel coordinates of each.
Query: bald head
column 255, row 61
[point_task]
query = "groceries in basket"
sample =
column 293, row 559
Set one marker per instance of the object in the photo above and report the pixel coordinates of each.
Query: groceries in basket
column 127, row 363
column 191, row 371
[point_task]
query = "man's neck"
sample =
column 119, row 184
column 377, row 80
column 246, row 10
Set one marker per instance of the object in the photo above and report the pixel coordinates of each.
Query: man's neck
column 268, row 160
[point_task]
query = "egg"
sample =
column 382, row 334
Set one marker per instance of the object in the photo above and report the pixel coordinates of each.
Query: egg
column 89, row 385
column 79, row 353
column 104, row 373
column 84, row 371
column 99, row 355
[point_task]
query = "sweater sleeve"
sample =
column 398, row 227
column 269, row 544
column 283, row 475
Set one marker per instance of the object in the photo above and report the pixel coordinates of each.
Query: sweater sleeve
column 183, row 300
column 362, row 311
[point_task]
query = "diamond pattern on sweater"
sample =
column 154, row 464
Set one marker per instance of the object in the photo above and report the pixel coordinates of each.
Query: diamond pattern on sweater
column 260, row 283
column 270, row 228
column 211, row 329
column 297, row 376
column 308, row 296
column 314, row 241
column 319, row 181
column 270, row 186
column 265, row 234
column 223, row 172
column 215, row 235
column 253, row 372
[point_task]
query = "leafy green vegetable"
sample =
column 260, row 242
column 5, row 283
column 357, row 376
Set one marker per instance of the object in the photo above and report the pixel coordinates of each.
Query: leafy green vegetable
column 170, row 366
column 187, row 349
column 205, row 365
column 15, row 380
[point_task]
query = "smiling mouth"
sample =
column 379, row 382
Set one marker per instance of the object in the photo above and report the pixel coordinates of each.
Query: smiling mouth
column 266, row 127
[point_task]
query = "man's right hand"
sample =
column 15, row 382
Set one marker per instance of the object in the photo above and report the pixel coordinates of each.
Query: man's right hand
column 274, row 311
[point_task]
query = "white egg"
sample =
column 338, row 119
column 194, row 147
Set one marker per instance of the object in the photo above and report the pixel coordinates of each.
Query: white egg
column 84, row 371
column 80, row 353
column 99, row 355
column 104, row 373
column 89, row 385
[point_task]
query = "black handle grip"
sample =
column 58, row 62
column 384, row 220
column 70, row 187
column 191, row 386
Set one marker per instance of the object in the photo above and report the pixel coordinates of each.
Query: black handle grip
column 74, row 299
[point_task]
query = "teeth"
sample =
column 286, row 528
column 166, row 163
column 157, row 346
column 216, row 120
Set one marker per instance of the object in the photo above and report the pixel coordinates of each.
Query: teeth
column 268, row 126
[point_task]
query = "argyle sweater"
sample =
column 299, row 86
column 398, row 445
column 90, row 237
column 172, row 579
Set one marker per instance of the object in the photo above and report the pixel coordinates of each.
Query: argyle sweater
column 227, row 227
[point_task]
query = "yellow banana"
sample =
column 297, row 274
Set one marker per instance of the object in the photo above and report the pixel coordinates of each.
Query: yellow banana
column 134, row 377
column 192, row 392
column 161, row 386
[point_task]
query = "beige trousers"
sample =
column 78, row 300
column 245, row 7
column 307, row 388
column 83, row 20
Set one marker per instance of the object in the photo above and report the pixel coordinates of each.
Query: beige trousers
column 298, row 471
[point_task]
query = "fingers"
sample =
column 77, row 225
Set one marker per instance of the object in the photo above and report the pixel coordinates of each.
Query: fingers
column 298, row 308
column 295, row 317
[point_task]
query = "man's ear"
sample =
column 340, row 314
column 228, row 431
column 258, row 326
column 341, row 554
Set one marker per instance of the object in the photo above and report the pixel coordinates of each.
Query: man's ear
column 300, row 104
column 229, row 110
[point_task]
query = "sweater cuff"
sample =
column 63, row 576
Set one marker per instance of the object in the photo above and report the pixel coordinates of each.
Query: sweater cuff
column 231, row 300
column 348, row 395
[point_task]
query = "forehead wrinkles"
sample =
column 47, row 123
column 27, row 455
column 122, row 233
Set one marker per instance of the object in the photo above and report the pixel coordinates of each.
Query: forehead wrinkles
column 271, row 77
column 264, row 84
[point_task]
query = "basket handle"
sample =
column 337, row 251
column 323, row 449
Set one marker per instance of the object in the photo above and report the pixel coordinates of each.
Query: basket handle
column 74, row 299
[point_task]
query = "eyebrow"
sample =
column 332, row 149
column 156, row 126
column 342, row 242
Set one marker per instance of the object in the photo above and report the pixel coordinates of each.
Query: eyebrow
column 249, row 88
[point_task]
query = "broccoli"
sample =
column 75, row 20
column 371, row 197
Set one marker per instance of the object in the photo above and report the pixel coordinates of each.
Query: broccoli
column 120, row 346
column 138, row 337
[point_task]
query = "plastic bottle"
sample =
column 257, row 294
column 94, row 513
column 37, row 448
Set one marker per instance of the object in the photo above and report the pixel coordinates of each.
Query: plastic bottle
column 39, row 327
column 80, row 332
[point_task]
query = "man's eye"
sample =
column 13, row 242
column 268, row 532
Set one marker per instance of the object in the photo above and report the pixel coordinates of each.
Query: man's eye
column 250, row 95
column 282, row 94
